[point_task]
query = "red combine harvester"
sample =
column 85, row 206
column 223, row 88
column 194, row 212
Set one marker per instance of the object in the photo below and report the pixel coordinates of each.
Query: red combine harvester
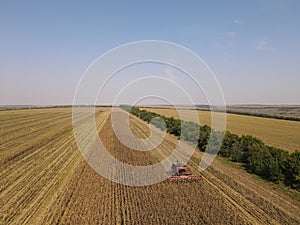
column 182, row 173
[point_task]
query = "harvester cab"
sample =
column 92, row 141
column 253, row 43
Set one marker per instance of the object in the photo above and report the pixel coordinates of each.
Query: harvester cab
column 181, row 172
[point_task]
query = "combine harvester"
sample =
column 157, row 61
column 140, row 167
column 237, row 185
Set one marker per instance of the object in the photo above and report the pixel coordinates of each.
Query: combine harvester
column 182, row 173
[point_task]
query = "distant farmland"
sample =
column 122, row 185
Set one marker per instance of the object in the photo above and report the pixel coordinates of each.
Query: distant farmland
column 285, row 111
column 279, row 133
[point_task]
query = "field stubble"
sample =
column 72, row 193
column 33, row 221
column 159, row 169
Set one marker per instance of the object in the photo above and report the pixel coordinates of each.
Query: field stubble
column 51, row 183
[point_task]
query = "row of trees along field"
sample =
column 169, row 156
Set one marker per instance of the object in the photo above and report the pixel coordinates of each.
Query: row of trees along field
column 263, row 115
column 268, row 162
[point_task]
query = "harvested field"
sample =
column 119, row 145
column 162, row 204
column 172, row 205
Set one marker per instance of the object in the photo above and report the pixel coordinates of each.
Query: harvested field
column 278, row 133
column 44, row 180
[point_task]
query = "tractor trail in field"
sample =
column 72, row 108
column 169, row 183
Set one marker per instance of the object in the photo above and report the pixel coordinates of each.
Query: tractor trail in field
column 252, row 199
column 52, row 184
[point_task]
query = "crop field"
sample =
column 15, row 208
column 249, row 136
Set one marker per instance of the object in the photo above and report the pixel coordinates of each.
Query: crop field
column 45, row 180
column 287, row 110
column 278, row 133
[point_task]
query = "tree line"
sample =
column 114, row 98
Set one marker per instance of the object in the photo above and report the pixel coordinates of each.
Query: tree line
column 263, row 115
column 270, row 163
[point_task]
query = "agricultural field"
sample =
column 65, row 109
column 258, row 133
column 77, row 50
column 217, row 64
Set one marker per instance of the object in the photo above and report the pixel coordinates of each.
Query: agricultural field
column 45, row 180
column 278, row 133
column 283, row 110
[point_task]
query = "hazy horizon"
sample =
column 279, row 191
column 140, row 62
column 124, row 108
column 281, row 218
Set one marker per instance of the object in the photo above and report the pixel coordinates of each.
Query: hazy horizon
column 70, row 105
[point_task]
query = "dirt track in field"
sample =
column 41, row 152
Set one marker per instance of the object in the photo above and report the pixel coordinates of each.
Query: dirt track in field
column 44, row 180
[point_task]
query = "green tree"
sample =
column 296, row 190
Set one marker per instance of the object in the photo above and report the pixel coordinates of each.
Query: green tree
column 204, row 135
column 228, row 144
column 247, row 143
column 292, row 171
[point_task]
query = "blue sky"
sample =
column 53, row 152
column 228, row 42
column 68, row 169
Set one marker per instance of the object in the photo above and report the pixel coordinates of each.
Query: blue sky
column 251, row 46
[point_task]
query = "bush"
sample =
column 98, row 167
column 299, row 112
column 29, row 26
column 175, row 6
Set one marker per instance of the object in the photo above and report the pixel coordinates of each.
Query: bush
column 292, row 170
column 229, row 143
column 261, row 162
column 203, row 137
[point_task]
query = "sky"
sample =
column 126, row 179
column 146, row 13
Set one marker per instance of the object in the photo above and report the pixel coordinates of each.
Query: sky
column 252, row 47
